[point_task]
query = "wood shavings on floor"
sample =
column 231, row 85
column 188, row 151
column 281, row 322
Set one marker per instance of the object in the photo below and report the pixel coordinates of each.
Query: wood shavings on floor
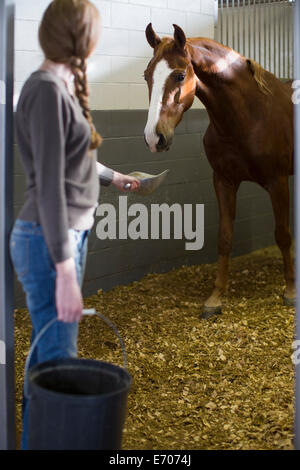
column 223, row 383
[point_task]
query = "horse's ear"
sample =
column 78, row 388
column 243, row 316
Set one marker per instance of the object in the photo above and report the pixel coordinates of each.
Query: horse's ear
column 152, row 37
column 179, row 37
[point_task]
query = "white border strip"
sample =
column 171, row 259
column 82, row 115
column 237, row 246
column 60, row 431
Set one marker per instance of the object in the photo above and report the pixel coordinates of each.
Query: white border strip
column 2, row 92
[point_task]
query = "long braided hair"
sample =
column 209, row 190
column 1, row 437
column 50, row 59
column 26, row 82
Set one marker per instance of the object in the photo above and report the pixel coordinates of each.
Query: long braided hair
column 78, row 67
column 68, row 33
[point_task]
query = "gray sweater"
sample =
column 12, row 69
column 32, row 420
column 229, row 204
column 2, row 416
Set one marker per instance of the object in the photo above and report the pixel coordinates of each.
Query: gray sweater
column 53, row 136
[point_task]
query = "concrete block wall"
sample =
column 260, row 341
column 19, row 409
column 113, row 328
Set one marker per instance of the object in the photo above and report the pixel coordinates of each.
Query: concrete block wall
column 119, row 102
column 114, row 262
column 116, row 68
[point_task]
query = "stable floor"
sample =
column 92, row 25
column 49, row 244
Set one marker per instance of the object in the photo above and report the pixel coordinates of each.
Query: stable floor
column 223, row 383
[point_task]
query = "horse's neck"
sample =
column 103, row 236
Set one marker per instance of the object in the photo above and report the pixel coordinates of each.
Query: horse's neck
column 213, row 64
column 205, row 52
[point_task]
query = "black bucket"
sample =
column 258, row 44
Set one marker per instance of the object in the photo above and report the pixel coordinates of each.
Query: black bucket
column 76, row 404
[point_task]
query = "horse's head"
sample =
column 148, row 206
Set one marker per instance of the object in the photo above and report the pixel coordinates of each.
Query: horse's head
column 172, row 85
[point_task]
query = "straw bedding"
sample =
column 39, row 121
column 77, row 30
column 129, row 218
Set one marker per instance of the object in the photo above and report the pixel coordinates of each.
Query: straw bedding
column 223, row 383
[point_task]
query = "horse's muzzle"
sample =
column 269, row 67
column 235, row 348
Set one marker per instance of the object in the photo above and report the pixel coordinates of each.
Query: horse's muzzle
column 163, row 144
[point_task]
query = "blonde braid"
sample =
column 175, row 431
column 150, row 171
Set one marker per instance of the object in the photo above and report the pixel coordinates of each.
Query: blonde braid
column 78, row 67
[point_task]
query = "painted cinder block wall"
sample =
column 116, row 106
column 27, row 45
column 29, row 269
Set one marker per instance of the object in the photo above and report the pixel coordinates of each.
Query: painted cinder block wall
column 116, row 68
column 119, row 102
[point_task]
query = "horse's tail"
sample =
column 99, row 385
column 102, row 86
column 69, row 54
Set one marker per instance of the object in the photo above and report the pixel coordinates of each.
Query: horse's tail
column 259, row 76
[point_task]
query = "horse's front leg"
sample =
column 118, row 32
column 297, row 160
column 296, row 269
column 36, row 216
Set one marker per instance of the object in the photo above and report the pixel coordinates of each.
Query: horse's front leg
column 226, row 194
column 279, row 193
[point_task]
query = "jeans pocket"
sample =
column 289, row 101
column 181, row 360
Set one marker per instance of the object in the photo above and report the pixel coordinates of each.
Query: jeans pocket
column 19, row 246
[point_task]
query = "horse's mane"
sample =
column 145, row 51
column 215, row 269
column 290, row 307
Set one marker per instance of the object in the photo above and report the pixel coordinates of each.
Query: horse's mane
column 258, row 73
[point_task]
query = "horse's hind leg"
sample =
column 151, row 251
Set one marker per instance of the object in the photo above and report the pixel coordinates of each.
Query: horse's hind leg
column 226, row 195
column 279, row 193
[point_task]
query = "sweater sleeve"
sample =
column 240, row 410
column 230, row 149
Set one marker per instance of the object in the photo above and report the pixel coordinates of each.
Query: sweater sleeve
column 47, row 127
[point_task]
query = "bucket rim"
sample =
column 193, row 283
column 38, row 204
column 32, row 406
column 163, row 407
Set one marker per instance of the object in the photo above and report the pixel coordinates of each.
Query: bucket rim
column 33, row 371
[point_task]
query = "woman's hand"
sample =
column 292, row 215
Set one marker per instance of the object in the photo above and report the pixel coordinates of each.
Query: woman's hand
column 69, row 303
column 120, row 180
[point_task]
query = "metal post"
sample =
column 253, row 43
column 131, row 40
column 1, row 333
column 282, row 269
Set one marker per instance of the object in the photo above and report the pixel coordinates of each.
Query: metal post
column 275, row 38
column 259, row 32
column 269, row 26
column 297, row 208
column 222, row 20
column 227, row 23
column 238, row 26
column 254, row 31
column 289, row 42
column 265, row 34
column 216, row 19
column 285, row 5
column 233, row 24
column 7, row 388
column 244, row 28
column 249, row 30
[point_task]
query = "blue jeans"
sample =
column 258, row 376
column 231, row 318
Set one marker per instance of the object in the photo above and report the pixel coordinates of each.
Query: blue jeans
column 36, row 272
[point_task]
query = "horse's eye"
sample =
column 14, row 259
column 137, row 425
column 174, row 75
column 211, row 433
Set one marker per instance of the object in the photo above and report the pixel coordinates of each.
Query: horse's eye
column 179, row 77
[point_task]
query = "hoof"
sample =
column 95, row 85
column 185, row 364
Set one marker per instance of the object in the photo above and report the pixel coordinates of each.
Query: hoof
column 209, row 312
column 289, row 301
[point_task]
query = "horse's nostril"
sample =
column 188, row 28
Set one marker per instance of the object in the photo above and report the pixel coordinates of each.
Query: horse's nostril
column 162, row 141
column 146, row 140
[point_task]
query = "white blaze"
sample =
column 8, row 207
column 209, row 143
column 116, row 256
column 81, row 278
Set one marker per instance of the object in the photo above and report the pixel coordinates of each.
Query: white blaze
column 160, row 75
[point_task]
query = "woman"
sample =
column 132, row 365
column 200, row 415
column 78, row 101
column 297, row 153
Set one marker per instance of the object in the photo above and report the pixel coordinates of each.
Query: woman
column 56, row 139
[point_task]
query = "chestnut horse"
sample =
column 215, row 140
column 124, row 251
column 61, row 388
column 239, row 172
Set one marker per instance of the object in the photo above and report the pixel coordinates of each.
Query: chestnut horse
column 249, row 137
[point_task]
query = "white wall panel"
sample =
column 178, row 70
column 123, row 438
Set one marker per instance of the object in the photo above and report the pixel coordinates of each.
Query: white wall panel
column 116, row 68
